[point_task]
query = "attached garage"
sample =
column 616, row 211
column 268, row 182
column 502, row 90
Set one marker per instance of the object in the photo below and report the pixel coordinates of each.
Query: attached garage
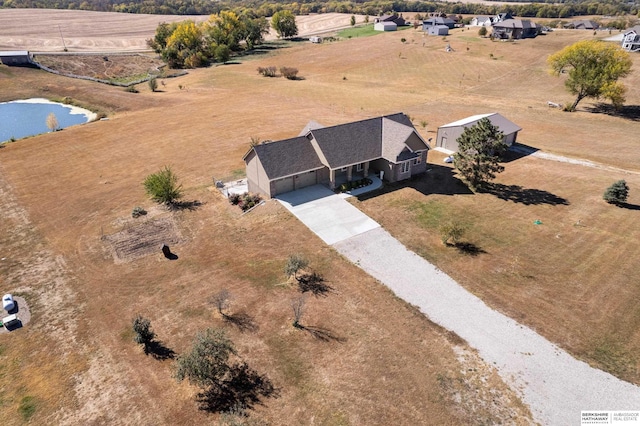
column 283, row 185
column 305, row 179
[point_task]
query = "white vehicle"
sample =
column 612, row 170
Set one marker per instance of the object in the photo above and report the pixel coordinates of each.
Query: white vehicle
column 7, row 303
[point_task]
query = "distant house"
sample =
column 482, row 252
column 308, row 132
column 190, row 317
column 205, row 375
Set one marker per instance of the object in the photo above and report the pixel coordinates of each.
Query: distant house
column 396, row 19
column 387, row 145
column 15, row 58
column 315, row 39
column 432, row 22
column 501, row 17
column 481, row 21
column 515, row 29
column 448, row 134
column 631, row 39
column 438, row 30
column 385, row 26
column 582, row 25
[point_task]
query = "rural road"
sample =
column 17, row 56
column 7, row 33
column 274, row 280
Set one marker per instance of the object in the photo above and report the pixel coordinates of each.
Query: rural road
column 554, row 385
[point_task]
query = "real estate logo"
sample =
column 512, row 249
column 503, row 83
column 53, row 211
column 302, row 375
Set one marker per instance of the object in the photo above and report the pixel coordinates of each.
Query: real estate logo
column 627, row 418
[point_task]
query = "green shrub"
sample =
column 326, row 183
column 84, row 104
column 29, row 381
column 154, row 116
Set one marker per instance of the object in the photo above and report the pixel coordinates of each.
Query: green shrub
column 27, row 407
column 131, row 89
column 451, row 231
column 234, row 199
column 617, row 193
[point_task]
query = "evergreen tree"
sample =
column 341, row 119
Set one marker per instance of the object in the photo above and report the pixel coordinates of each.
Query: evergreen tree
column 479, row 150
column 617, row 193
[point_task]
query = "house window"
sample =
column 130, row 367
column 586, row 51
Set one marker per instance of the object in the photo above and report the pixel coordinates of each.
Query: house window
column 417, row 160
column 405, row 167
column 359, row 167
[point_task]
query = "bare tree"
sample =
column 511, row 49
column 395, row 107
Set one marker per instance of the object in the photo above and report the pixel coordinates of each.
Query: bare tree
column 52, row 122
column 221, row 300
column 297, row 305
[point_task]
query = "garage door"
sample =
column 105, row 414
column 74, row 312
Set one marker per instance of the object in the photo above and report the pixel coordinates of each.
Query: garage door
column 306, row 179
column 283, row 185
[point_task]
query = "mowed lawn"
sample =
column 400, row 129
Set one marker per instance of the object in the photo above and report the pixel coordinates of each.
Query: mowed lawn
column 64, row 192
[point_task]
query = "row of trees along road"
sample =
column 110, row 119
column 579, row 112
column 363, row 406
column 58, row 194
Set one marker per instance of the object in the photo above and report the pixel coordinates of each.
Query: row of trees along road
column 189, row 45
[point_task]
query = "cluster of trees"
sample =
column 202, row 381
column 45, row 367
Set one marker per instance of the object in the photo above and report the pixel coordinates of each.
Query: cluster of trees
column 190, row 45
column 540, row 9
column 187, row 44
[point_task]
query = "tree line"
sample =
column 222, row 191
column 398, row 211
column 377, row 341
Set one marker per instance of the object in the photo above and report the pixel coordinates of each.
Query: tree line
column 187, row 44
column 542, row 9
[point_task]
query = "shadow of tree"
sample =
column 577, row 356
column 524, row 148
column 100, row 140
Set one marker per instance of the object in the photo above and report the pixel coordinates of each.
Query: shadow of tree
column 242, row 320
column 186, row 205
column 322, row 334
column 469, row 248
column 526, row 196
column 159, row 351
column 629, row 112
column 628, row 206
column 436, row 180
column 314, row 283
column 244, row 388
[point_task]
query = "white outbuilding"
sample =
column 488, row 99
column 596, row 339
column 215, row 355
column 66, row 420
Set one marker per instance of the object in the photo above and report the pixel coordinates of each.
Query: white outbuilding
column 385, row 26
column 448, row 134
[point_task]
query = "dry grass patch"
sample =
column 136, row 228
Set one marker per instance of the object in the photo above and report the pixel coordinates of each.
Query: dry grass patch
column 392, row 365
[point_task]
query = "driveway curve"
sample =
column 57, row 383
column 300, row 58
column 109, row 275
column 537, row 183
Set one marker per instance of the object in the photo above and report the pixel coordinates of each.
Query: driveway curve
column 554, row 385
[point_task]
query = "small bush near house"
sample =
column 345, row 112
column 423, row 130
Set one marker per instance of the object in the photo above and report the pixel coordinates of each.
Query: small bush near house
column 617, row 193
column 234, row 199
column 245, row 201
column 289, row 73
column 268, row 71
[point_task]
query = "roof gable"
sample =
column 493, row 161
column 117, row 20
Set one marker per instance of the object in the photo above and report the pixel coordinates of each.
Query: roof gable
column 349, row 143
column 287, row 157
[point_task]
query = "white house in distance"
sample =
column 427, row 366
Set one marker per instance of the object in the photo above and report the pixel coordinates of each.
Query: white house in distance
column 631, row 39
column 385, row 26
column 448, row 134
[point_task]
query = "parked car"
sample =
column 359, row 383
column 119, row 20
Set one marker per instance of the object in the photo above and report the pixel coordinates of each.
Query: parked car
column 7, row 303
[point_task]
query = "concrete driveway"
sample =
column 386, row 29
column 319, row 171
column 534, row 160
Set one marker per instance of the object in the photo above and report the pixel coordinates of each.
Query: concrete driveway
column 328, row 215
column 555, row 386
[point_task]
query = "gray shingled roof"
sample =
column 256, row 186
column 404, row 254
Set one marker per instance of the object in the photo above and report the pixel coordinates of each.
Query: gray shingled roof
column 350, row 143
column 287, row 157
column 342, row 145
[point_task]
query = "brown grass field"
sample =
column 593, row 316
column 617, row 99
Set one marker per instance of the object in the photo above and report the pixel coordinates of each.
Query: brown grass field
column 67, row 194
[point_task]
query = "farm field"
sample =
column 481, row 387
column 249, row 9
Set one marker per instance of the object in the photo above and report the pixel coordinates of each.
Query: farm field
column 64, row 196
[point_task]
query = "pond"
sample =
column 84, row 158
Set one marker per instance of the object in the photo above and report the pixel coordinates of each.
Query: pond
column 28, row 117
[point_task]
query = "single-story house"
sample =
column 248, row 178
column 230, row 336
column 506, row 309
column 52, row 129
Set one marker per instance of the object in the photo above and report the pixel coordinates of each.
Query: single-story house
column 432, row 22
column 397, row 19
column 315, row 39
column 631, row 39
column 582, row 25
column 389, row 146
column 448, row 134
column 385, row 26
column 481, row 21
column 515, row 29
column 438, row 30
column 15, row 58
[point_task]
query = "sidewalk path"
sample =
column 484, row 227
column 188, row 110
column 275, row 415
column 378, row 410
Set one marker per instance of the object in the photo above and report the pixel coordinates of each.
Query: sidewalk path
column 554, row 385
